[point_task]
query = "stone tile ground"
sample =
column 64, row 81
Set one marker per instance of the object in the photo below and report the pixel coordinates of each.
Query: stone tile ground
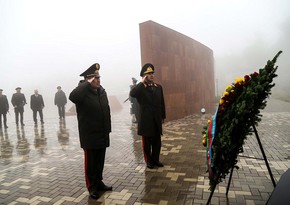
column 44, row 164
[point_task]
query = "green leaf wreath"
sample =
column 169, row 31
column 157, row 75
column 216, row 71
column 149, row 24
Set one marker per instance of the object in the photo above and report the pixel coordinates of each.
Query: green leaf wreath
column 239, row 107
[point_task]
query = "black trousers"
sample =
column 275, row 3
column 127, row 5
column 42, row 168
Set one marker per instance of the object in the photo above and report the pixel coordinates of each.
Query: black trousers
column 151, row 148
column 17, row 113
column 94, row 166
column 4, row 119
column 61, row 111
column 35, row 115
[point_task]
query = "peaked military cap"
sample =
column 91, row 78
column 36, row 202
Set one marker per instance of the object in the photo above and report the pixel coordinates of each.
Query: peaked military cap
column 147, row 68
column 92, row 71
column 18, row 88
column 134, row 79
column 58, row 87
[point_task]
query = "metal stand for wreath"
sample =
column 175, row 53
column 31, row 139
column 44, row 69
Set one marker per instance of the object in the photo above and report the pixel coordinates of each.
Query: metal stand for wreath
column 264, row 157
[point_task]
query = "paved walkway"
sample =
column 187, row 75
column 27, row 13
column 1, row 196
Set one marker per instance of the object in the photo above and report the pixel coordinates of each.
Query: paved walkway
column 44, row 164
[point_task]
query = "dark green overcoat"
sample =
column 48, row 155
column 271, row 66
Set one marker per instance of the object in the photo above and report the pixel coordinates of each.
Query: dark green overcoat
column 93, row 113
column 152, row 108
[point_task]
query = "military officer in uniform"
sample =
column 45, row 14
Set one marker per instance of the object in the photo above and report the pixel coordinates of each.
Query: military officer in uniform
column 4, row 108
column 94, row 123
column 152, row 114
column 18, row 101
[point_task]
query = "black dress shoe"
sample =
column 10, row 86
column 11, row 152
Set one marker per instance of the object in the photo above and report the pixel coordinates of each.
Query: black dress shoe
column 150, row 166
column 94, row 195
column 159, row 164
column 104, row 187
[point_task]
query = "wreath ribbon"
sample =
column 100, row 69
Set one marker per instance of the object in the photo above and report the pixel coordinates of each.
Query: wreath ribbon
column 211, row 134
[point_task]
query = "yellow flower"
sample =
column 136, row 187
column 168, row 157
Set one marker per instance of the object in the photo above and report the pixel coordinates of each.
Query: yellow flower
column 228, row 88
column 208, row 121
column 204, row 142
column 226, row 93
column 222, row 101
column 239, row 80
column 204, row 136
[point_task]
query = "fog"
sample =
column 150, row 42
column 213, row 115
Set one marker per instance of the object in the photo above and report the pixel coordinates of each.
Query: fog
column 46, row 43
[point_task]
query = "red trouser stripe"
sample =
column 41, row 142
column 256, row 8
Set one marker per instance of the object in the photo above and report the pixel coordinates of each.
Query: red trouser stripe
column 86, row 170
column 143, row 148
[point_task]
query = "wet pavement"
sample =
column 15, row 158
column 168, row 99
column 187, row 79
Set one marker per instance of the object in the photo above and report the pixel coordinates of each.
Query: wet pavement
column 44, row 164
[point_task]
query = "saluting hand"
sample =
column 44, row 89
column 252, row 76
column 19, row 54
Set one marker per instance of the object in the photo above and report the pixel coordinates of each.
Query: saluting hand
column 144, row 80
column 90, row 80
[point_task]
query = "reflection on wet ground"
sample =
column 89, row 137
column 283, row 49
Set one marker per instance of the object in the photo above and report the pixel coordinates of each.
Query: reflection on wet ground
column 30, row 142
column 44, row 164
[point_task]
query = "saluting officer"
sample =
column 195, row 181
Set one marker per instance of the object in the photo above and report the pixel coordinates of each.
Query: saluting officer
column 94, row 123
column 18, row 101
column 152, row 114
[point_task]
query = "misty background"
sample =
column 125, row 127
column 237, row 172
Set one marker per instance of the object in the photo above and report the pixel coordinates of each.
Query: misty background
column 44, row 43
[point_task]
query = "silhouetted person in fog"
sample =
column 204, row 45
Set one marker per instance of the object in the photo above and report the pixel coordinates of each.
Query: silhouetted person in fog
column 18, row 101
column 36, row 105
column 60, row 100
column 94, row 123
column 134, row 104
column 4, row 108
column 152, row 114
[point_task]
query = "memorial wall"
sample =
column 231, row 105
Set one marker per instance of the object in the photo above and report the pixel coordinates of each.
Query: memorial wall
column 183, row 66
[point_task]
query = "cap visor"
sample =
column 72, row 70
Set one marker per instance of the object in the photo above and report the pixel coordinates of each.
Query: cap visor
column 92, row 75
column 148, row 72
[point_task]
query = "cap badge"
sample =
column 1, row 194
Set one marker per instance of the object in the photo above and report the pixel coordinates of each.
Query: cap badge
column 149, row 70
column 97, row 66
